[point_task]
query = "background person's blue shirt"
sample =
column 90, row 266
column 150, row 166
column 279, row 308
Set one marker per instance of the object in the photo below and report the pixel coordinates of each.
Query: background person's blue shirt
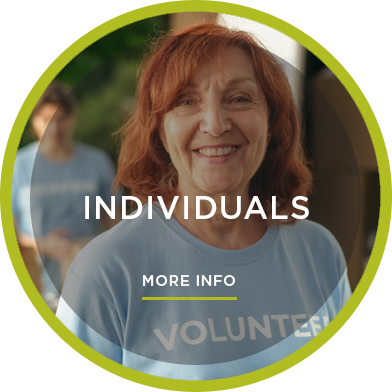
column 48, row 195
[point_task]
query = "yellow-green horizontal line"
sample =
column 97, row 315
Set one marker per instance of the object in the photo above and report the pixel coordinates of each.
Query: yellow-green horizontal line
column 189, row 298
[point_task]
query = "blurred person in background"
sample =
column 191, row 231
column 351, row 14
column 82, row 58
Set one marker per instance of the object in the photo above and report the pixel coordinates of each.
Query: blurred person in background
column 51, row 178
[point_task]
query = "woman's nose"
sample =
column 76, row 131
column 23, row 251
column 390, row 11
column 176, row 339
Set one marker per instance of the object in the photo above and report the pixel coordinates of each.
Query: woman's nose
column 215, row 120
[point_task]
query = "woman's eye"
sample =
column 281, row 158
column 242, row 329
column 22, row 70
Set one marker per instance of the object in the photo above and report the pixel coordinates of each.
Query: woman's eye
column 186, row 102
column 240, row 99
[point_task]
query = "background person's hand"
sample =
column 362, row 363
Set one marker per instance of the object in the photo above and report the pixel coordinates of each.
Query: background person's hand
column 56, row 245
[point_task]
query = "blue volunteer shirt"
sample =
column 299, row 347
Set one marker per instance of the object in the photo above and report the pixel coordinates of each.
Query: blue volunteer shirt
column 288, row 285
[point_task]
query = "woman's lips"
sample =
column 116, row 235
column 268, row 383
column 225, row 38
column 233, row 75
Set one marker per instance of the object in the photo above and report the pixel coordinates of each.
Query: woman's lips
column 217, row 153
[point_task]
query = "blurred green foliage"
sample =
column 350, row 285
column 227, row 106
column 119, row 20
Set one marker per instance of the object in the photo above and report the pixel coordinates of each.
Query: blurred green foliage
column 102, row 78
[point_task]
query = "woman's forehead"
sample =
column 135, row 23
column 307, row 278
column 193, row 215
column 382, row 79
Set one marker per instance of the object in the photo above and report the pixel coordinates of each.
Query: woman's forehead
column 231, row 67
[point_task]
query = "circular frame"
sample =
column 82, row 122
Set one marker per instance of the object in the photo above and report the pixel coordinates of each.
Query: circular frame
column 308, row 43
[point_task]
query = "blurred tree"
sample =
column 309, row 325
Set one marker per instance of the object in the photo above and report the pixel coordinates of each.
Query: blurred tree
column 102, row 77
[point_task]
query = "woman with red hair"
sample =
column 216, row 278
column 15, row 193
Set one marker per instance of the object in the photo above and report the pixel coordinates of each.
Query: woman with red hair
column 231, row 278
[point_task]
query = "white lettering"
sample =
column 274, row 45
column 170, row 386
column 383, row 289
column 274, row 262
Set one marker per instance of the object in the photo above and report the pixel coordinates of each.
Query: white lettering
column 232, row 280
column 173, row 280
column 255, row 200
column 86, row 207
column 124, row 207
column 315, row 326
column 207, row 281
column 167, row 213
column 185, row 207
column 213, row 206
column 164, row 280
column 149, row 207
column 274, row 216
column 216, row 279
column 297, row 325
column 184, row 280
column 300, row 207
column 148, row 280
column 223, row 208
column 100, row 203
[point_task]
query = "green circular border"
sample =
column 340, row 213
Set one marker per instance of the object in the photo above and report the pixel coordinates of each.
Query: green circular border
column 196, row 6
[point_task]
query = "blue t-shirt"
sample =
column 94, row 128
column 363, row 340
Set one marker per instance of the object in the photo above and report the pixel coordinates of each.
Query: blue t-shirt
column 48, row 195
column 288, row 286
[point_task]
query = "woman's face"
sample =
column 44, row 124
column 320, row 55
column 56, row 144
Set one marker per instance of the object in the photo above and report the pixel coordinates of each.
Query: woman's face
column 217, row 133
column 53, row 122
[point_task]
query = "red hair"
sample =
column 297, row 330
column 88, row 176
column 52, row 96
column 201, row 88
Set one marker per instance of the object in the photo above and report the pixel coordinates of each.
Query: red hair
column 145, row 167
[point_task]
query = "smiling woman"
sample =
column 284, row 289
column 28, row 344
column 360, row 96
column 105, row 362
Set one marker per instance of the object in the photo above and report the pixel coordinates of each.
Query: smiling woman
column 215, row 119
column 234, row 90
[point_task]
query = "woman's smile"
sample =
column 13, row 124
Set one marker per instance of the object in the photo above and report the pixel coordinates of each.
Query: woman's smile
column 217, row 153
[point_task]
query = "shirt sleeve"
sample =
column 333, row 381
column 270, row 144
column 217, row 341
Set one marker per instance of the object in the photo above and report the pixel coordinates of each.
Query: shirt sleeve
column 21, row 183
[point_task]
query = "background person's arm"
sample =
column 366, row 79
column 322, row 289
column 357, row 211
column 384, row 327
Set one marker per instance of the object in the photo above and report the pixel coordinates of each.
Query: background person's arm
column 54, row 245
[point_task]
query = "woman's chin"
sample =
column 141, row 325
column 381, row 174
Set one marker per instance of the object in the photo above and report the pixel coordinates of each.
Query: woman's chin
column 216, row 188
